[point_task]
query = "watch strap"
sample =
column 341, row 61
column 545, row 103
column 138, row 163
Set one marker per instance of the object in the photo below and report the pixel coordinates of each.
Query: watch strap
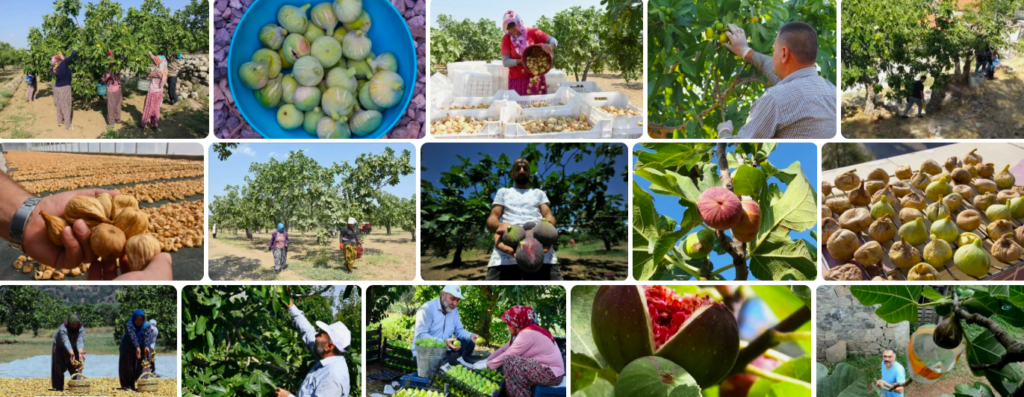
column 20, row 222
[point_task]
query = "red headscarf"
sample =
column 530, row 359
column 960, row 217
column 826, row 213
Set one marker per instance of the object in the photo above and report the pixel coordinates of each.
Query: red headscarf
column 520, row 318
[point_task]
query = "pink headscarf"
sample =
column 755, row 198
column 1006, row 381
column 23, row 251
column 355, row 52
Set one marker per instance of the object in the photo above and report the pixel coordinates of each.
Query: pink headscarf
column 518, row 41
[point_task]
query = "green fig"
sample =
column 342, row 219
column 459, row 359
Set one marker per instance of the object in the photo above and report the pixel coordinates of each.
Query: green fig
column 996, row 212
column 293, row 18
column 972, row 259
column 289, row 117
column 272, row 36
column 945, row 230
column 914, row 233
column 698, row 245
column 882, row 208
column 254, row 75
column 938, row 252
column 270, row 95
column 271, row 58
column 288, row 86
column 310, row 120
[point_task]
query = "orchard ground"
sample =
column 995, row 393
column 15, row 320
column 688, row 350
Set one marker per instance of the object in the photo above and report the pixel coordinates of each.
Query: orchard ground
column 994, row 111
column 188, row 119
column 589, row 262
column 99, row 341
column 384, row 258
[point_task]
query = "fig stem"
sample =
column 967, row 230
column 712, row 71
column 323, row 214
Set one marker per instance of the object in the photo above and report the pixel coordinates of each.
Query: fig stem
column 766, row 341
column 754, row 370
column 782, row 337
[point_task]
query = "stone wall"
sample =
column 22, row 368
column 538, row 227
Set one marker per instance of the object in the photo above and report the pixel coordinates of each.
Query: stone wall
column 193, row 76
column 842, row 320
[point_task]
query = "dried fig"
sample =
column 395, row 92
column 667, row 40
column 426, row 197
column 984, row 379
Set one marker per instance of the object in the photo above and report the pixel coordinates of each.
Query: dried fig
column 878, row 174
column 951, row 164
column 999, row 229
column 965, row 191
column 76, row 272
column 108, row 204
column 825, row 212
column 968, row 220
column 904, row 255
column 848, row 181
column 132, row 221
column 922, row 272
column 1006, row 195
column 826, row 188
column 983, row 201
column 882, row 229
column 972, row 158
column 1006, row 250
column 920, row 180
column 859, row 197
column 842, row 244
column 107, row 241
column 54, row 226
column 828, row 227
column 847, row 272
column 85, row 207
column 914, row 200
column 985, row 186
column 141, row 249
column 869, row 254
column 900, row 188
column 903, row 172
column 123, row 201
column 961, row 176
column 973, row 169
column 887, row 192
column 838, row 205
column 931, row 167
column 1018, row 236
column 855, row 220
column 873, row 186
column 910, row 214
column 986, row 170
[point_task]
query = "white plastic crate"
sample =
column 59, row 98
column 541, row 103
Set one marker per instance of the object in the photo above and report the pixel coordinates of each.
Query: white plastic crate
column 516, row 115
column 555, row 77
column 491, row 130
column 457, row 70
column 476, row 84
column 559, row 99
column 626, row 127
column 445, row 100
column 499, row 75
column 440, row 83
column 580, row 86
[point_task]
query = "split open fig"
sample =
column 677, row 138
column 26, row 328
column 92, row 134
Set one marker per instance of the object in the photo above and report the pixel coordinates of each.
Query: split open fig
column 697, row 333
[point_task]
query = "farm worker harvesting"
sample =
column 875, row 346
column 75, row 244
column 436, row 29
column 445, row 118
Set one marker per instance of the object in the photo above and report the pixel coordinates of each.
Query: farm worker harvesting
column 513, row 44
column 916, row 97
column 439, row 319
column 155, row 97
column 517, row 206
column 892, row 374
column 62, row 89
column 279, row 246
column 30, row 82
column 214, row 230
column 113, row 81
column 798, row 103
column 68, row 346
column 531, row 356
column 138, row 336
column 152, row 346
column 329, row 375
column 22, row 225
column 173, row 66
column 350, row 242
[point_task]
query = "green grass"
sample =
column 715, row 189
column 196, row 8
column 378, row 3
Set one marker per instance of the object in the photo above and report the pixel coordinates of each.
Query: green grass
column 98, row 340
column 13, row 125
column 6, row 93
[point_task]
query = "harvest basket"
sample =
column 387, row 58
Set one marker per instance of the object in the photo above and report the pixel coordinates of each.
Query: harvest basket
column 143, row 85
column 147, row 383
column 543, row 51
column 79, row 384
column 101, row 89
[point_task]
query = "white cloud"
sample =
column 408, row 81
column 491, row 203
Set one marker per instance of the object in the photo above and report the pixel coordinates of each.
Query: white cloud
column 246, row 150
column 271, row 155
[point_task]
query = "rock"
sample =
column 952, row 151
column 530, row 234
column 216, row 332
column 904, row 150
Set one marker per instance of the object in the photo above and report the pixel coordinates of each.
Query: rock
column 837, row 353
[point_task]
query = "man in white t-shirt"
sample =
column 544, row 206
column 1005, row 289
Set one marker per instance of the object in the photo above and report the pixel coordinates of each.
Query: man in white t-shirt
column 517, row 206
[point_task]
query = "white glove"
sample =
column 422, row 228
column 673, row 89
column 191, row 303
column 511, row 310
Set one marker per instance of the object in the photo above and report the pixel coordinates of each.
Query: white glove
column 737, row 41
column 480, row 365
column 725, row 130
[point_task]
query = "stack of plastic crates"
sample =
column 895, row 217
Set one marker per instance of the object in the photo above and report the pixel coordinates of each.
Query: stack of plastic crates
column 623, row 127
column 440, row 83
column 516, row 116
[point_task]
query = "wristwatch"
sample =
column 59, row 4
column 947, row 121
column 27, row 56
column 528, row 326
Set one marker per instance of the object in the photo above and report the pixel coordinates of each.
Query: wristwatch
column 20, row 221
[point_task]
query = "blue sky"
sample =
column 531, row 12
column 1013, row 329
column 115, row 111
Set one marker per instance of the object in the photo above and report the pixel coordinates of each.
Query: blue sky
column 784, row 155
column 439, row 157
column 233, row 170
column 528, row 10
column 18, row 16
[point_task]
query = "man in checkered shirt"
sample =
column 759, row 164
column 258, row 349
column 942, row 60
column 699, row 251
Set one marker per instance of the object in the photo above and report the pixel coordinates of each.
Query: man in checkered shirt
column 798, row 104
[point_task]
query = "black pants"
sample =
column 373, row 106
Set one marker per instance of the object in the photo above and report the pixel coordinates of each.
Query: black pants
column 172, row 86
column 511, row 272
column 465, row 351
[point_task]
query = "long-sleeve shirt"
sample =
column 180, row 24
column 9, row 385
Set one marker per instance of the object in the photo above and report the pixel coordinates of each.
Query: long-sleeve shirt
column 348, row 235
column 112, row 80
column 530, row 344
column 63, row 72
column 276, row 242
column 156, row 80
column 433, row 323
column 173, row 66
column 147, row 335
column 328, row 377
column 62, row 338
column 152, row 341
column 533, row 36
column 801, row 106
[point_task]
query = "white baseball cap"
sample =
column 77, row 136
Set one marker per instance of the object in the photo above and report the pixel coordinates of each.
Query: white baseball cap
column 455, row 290
column 338, row 332
column 351, row 221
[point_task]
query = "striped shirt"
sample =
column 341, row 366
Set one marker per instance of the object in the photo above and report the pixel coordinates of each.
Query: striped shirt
column 173, row 66
column 801, row 106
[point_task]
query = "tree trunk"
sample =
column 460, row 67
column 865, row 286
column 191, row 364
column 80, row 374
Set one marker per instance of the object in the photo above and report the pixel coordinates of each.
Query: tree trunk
column 869, row 95
column 491, row 299
column 937, row 99
column 388, row 228
column 586, row 69
column 412, row 235
column 607, row 245
column 457, row 258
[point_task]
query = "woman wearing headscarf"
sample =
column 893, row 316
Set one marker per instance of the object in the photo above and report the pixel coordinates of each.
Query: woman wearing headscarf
column 62, row 89
column 155, row 97
column 112, row 78
column 31, row 85
column 350, row 243
column 68, row 349
column 531, row 356
column 513, row 44
column 279, row 246
column 134, row 349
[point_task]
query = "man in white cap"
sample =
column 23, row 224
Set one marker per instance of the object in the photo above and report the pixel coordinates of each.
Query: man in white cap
column 329, row 376
column 439, row 319
column 350, row 242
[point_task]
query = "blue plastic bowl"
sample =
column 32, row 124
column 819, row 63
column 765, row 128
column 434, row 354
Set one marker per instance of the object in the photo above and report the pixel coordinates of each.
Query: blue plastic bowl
column 389, row 33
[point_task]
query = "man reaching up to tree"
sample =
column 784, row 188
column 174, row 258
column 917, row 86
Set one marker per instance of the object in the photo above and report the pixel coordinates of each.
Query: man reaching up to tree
column 798, row 104
column 329, row 375
column 517, row 206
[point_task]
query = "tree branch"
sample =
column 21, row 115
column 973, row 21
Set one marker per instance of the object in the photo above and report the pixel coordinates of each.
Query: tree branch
column 735, row 248
column 663, row 129
column 1014, row 348
column 311, row 293
column 767, row 339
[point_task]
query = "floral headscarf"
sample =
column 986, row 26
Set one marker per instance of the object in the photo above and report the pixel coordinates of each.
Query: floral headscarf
column 518, row 41
column 520, row 318
column 74, row 322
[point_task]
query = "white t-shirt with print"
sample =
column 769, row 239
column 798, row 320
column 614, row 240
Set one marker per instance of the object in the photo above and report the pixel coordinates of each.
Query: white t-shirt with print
column 520, row 206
